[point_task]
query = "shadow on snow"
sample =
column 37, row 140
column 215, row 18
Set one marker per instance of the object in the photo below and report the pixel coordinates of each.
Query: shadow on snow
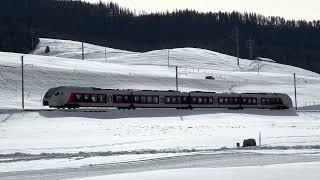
column 153, row 113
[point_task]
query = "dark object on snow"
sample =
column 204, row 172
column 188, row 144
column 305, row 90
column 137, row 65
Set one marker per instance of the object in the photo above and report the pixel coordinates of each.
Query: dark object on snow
column 210, row 77
column 47, row 50
column 249, row 143
column 238, row 145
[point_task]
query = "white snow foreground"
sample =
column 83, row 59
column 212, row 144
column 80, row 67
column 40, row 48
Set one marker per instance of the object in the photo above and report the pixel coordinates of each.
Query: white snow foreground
column 296, row 171
column 60, row 139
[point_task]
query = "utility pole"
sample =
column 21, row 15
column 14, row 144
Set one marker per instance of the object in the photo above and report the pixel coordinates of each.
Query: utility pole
column 105, row 51
column 31, row 38
column 250, row 46
column 82, row 51
column 237, row 41
column 295, row 90
column 22, row 83
column 258, row 66
column 259, row 138
column 177, row 89
column 168, row 57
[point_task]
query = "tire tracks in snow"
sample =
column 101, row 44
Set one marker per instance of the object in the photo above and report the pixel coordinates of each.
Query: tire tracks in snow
column 196, row 160
column 16, row 157
column 6, row 119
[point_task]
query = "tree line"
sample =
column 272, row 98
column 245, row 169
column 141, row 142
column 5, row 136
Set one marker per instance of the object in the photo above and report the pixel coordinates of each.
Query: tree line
column 294, row 42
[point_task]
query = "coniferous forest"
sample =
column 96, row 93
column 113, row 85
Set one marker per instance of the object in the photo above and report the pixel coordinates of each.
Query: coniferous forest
column 22, row 22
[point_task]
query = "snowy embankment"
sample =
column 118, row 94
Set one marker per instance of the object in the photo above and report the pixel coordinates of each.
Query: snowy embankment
column 143, row 131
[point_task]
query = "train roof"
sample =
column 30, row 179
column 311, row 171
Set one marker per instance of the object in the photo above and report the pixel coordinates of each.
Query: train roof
column 137, row 90
column 202, row 92
column 263, row 93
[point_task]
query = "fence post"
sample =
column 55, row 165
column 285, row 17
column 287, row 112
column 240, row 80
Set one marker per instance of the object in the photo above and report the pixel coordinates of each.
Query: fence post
column 295, row 90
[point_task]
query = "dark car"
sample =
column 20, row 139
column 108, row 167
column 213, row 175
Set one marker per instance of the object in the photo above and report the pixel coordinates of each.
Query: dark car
column 210, row 77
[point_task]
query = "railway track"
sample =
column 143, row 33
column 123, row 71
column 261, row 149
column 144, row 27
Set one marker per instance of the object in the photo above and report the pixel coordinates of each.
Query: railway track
column 112, row 109
column 55, row 110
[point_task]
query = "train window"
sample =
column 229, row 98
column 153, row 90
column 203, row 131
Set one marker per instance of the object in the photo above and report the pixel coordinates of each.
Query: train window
column 179, row 100
column 109, row 98
column 200, row 100
column 161, row 99
column 272, row 101
column 226, row 100
column 265, row 101
column 220, row 100
column 78, row 97
column 173, row 100
column 254, row 100
column 136, row 99
column 249, row 100
column 86, row 98
column 149, row 99
column 194, row 100
column 168, row 99
column 244, row 100
column 268, row 101
column 102, row 98
column 210, row 100
column 94, row 98
column 231, row 100
column 143, row 99
column 205, row 100
column 118, row 99
column 275, row 101
column 155, row 100
column 125, row 99
column 184, row 100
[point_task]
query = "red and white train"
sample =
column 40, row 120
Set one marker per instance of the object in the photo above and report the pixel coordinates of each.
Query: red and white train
column 76, row 97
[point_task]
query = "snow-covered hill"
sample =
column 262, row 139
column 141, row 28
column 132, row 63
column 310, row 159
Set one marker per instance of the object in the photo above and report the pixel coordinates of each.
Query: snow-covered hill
column 143, row 131
column 71, row 49
column 149, row 70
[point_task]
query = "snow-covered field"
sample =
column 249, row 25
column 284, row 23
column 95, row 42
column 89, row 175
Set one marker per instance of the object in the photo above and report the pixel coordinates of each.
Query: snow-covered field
column 272, row 172
column 42, row 139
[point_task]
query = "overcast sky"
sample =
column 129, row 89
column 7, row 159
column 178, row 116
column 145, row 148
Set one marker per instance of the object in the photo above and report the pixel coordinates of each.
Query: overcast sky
column 290, row 9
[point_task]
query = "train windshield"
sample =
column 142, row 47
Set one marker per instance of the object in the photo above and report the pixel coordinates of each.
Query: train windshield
column 50, row 92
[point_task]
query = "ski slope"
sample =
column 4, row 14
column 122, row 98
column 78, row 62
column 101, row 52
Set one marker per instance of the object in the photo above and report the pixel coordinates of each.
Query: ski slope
column 80, row 138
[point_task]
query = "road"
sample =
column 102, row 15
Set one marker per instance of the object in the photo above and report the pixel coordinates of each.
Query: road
column 194, row 160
